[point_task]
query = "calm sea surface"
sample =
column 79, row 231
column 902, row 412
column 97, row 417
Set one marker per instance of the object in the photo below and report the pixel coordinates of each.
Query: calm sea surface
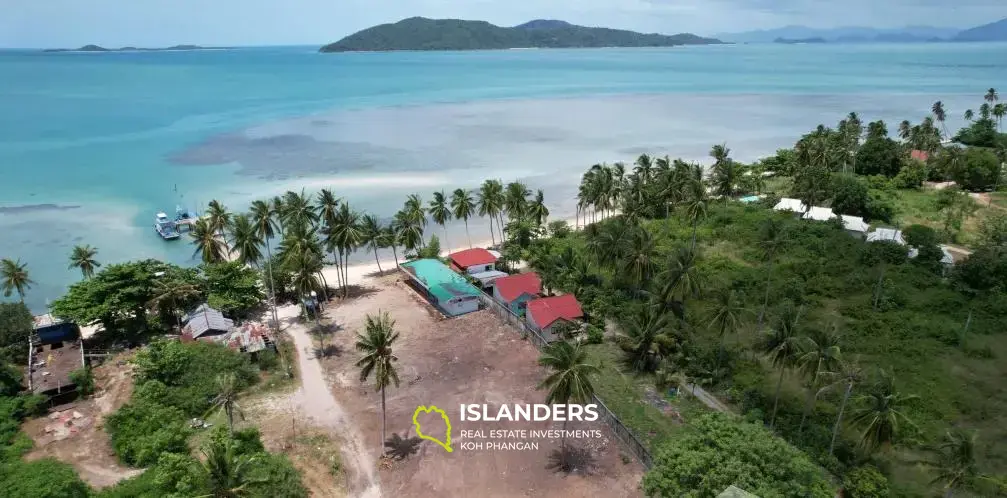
column 92, row 145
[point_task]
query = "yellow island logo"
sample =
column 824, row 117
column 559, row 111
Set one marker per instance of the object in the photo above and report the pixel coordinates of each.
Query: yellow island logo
column 446, row 444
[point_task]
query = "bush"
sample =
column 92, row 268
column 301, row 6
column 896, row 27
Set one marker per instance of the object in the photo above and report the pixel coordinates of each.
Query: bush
column 141, row 431
column 721, row 452
column 84, row 381
column 865, row 482
column 850, row 195
column 45, row 478
column 595, row 335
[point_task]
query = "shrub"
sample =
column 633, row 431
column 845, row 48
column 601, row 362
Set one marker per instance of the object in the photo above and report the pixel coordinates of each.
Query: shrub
column 141, row 431
column 865, row 482
column 45, row 478
column 595, row 335
column 84, row 381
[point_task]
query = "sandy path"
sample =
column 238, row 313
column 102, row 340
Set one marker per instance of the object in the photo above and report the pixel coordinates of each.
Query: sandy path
column 317, row 402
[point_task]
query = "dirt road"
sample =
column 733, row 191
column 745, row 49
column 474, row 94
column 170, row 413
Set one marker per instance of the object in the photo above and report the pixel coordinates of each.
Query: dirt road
column 316, row 401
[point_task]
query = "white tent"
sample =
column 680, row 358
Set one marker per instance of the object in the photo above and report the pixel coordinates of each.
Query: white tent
column 819, row 214
column 889, row 234
column 855, row 224
column 787, row 204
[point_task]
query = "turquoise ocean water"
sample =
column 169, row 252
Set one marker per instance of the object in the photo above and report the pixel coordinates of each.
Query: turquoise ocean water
column 92, row 145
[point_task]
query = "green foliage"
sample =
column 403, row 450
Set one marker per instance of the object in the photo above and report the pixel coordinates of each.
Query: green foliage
column 978, row 170
column 431, row 250
column 232, row 288
column 45, row 478
column 418, row 33
column 784, row 162
column 981, row 133
column 595, row 334
column 879, row 156
column 912, row 174
column 984, row 270
column 865, row 482
column 142, row 430
column 15, row 325
column 721, row 452
column 84, row 380
column 849, row 195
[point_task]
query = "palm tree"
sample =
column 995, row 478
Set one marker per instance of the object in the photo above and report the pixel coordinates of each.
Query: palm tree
column 969, row 115
column 638, row 338
column 985, row 110
column 490, row 203
column 516, row 200
column 847, row 375
column 344, row 235
column 773, row 238
column 462, row 207
column 537, row 210
column 880, row 413
column 208, row 245
column 956, row 461
column 998, row 112
column 14, row 278
column 905, row 129
column 169, row 292
column 991, row 96
column 227, row 473
column 696, row 206
column 227, row 399
column 378, row 358
column 220, row 218
column 372, row 235
column 408, row 231
column 570, row 377
column 245, row 240
column 390, row 238
column 644, row 167
column 939, row 114
column 725, row 172
column 820, row 354
column 638, row 265
column 328, row 208
column 727, row 314
column 679, row 281
column 304, row 266
column 82, row 257
column 782, row 346
column 296, row 210
column 265, row 229
column 440, row 211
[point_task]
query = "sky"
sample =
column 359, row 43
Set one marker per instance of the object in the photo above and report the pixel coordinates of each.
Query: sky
column 152, row 23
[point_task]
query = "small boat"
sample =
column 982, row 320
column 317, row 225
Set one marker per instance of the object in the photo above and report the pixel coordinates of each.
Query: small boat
column 165, row 227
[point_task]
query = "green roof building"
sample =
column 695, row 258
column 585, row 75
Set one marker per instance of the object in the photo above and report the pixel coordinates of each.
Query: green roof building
column 448, row 290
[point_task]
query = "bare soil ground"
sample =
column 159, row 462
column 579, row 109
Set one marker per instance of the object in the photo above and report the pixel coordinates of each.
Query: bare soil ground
column 446, row 362
column 78, row 438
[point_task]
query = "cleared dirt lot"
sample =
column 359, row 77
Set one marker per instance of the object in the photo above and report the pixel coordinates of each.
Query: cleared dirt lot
column 447, row 362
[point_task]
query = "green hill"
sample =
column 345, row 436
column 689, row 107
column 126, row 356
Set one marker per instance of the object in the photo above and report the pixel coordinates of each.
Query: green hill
column 419, row 33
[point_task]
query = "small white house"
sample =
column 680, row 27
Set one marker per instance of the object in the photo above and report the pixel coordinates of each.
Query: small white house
column 818, row 213
column 792, row 205
column 889, row 234
column 855, row 225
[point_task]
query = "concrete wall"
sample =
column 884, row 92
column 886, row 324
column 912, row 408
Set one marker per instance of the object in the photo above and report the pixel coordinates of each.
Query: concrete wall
column 460, row 305
column 472, row 270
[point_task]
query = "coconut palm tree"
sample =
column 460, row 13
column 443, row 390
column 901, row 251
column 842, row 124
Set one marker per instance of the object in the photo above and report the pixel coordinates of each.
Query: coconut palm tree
column 991, row 96
column 955, row 465
column 537, row 210
column 725, row 172
column 219, row 216
column 14, row 278
column 228, row 474
column 846, row 376
column 782, row 347
column 82, row 258
column 343, row 236
column 490, row 203
column 390, row 238
column 820, row 353
column 408, row 231
column 638, row 264
column 209, row 246
column 727, row 314
column 905, row 129
column 969, row 115
column 998, row 112
column 246, row 241
column 879, row 413
column 262, row 220
column 679, row 281
column 569, row 380
column 372, row 235
column 376, row 344
column 773, row 238
column 985, row 110
column 304, row 267
column 226, row 399
column 169, row 293
column 644, row 166
column 696, row 206
column 939, row 115
column 638, row 338
column 440, row 211
column 296, row 210
column 516, row 200
column 463, row 207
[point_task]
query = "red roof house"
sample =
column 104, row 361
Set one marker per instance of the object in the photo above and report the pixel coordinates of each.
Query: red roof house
column 516, row 290
column 919, row 155
column 475, row 260
column 546, row 311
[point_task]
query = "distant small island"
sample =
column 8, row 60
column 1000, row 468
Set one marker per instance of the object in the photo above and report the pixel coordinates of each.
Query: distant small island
column 419, row 33
column 795, row 41
column 96, row 48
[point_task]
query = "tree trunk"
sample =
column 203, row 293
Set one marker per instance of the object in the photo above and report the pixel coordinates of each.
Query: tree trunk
column 346, row 273
column 720, row 354
column 695, row 225
column 229, row 411
column 965, row 332
column 380, row 271
column 765, row 300
column 446, row 241
column 839, row 417
column 493, row 235
column 562, row 442
column 776, row 402
column 382, row 420
column 811, row 398
column 467, row 236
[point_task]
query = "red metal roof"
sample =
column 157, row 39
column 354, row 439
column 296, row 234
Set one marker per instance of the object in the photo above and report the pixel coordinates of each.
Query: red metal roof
column 920, row 155
column 546, row 310
column 472, row 257
column 511, row 287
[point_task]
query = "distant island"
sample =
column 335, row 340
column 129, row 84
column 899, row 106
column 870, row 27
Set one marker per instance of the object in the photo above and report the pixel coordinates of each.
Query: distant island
column 994, row 31
column 419, row 33
column 794, row 41
column 96, row 48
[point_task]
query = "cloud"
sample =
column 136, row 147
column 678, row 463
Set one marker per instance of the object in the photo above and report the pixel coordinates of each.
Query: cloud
column 54, row 23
